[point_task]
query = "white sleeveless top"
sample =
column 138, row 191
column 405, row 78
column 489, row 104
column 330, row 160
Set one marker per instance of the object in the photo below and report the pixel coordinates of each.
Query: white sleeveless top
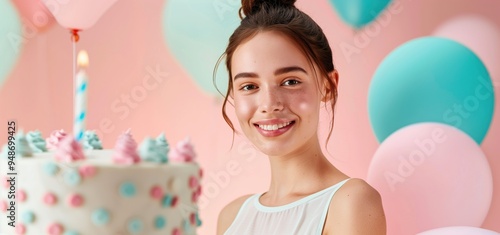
column 305, row 216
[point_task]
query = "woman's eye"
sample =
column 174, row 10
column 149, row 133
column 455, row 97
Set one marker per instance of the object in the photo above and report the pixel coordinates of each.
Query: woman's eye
column 248, row 87
column 291, row 82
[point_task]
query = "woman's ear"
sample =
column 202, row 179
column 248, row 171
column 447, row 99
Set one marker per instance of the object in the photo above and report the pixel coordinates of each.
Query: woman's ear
column 334, row 75
column 333, row 80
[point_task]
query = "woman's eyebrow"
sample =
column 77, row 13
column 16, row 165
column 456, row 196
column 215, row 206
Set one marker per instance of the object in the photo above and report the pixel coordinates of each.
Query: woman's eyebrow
column 289, row 69
column 245, row 75
column 277, row 72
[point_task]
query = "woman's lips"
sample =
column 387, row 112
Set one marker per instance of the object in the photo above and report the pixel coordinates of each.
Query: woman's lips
column 275, row 129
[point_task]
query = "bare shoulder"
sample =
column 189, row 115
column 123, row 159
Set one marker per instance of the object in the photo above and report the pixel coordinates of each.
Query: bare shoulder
column 356, row 208
column 358, row 189
column 228, row 214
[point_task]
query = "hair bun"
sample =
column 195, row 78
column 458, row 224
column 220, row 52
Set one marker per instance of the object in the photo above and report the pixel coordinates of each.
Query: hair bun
column 250, row 7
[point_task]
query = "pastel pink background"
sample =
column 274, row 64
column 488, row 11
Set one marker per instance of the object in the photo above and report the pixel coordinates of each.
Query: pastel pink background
column 127, row 41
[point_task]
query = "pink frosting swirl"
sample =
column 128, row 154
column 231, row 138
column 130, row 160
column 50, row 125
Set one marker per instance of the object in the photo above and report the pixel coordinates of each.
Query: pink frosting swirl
column 55, row 138
column 126, row 150
column 183, row 152
column 69, row 150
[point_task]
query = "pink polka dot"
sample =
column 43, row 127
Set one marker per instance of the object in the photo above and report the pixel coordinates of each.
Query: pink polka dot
column 87, row 171
column 55, row 229
column 5, row 183
column 20, row 229
column 194, row 197
column 200, row 173
column 176, row 231
column 193, row 182
column 198, row 190
column 174, row 201
column 75, row 200
column 21, row 195
column 49, row 199
column 156, row 192
column 3, row 206
column 192, row 218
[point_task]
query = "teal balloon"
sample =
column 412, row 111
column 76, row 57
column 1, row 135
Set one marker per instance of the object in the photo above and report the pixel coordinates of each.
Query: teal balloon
column 359, row 13
column 197, row 33
column 431, row 79
column 10, row 38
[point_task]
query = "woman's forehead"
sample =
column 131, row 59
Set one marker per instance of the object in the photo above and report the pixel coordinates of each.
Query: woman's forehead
column 268, row 50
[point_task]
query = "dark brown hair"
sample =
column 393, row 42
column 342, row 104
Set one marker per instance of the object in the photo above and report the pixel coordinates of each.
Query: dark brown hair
column 282, row 16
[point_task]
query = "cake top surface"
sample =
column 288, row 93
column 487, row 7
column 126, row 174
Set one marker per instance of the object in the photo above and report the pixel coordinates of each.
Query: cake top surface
column 66, row 149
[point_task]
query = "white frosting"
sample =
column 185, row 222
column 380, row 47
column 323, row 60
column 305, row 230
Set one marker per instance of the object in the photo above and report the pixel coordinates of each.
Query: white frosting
column 102, row 190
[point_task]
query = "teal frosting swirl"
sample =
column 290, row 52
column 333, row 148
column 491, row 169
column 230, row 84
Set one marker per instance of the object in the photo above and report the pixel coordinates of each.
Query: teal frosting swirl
column 162, row 144
column 151, row 152
column 22, row 147
column 36, row 141
column 91, row 141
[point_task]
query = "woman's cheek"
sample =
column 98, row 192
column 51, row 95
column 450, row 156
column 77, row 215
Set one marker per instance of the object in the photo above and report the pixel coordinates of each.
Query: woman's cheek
column 244, row 109
column 304, row 104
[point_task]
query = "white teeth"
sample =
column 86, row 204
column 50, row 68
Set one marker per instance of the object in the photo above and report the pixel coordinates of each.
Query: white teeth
column 274, row 127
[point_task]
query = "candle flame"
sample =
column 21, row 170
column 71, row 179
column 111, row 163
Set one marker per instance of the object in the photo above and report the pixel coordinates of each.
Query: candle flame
column 83, row 59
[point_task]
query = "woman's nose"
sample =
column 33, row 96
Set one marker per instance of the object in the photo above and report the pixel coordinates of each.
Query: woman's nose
column 270, row 100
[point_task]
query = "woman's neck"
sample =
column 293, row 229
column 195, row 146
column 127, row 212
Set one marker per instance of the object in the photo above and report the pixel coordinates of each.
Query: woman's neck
column 299, row 174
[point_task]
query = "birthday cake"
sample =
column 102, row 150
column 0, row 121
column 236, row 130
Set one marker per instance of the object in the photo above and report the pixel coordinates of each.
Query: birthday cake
column 60, row 186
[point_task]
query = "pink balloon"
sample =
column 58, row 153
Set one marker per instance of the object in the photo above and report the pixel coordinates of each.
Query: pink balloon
column 34, row 14
column 431, row 175
column 78, row 14
column 460, row 230
column 478, row 34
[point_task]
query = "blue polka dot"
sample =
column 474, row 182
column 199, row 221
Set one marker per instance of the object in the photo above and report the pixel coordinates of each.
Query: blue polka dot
column 160, row 222
column 27, row 217
column 135, row 226
column 186, row 225
column 50, row 168
column 198, row 220
column 167, row 200
column 72, row 177
column 127, row 189
column 71, row 233
column 100, row 217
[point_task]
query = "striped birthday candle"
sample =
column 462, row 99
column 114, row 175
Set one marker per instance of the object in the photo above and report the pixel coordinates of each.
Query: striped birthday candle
column 80, row 100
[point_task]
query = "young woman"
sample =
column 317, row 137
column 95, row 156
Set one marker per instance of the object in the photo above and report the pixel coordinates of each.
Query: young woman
column 281, row 75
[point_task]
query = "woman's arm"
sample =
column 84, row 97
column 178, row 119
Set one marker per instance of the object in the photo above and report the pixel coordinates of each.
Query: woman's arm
column 356, row 209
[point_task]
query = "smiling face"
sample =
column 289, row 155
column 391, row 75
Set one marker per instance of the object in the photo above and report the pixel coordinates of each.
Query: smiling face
column 276, row 95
